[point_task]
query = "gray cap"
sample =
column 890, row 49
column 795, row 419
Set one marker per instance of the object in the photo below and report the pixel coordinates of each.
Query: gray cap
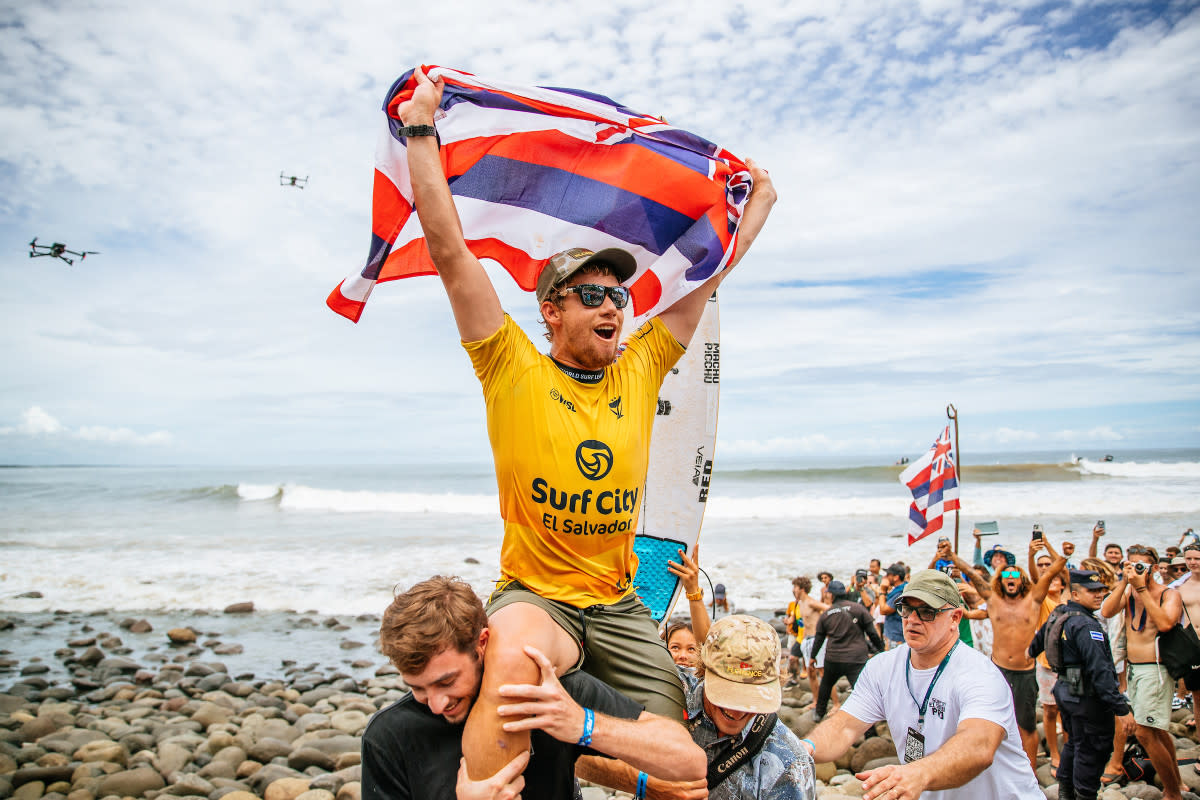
column 933, row 588
column 565, row 264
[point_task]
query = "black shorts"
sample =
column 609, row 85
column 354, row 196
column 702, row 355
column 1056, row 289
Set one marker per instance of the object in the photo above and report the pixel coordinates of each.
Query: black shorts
column 1192, row 680
column 797, row 650
column 1024, row 686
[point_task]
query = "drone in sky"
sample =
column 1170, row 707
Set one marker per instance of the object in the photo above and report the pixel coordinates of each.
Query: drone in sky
column 57, row 250
column 292, row 180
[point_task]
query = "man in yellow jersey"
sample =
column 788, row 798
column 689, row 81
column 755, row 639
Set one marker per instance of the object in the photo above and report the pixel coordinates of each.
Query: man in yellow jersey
column 570, row 435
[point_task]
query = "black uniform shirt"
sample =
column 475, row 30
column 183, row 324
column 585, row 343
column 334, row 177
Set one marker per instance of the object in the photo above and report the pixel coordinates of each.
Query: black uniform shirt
column 1085, row 645
column 410, row 753
column 844, row 625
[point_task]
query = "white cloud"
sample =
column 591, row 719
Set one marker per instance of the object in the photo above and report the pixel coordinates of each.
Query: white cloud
column 911, row 144
column 1103, row 433
column 36, row 422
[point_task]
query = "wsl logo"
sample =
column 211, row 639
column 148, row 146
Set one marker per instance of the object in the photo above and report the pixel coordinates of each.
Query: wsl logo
column 594, row 459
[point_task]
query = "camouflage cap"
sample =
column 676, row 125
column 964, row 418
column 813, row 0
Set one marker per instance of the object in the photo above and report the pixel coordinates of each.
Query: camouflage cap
column 565, row 264
column 741, row 665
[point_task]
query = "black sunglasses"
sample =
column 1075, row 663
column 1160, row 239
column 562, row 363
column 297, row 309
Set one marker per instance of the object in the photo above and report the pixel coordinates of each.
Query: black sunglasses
column 592, row 294
column 924, row 613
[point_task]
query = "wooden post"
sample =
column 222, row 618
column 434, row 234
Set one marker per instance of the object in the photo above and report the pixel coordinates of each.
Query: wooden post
column 952, row 413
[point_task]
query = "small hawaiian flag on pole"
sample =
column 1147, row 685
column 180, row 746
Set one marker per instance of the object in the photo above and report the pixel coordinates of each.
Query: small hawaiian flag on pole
column 933, row 482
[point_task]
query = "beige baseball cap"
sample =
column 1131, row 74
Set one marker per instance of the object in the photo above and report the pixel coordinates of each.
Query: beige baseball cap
column 741, row 665
column 933, row 588
column 565, row 264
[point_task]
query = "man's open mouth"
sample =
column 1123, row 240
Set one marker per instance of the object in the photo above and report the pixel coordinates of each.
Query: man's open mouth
column 606, row 331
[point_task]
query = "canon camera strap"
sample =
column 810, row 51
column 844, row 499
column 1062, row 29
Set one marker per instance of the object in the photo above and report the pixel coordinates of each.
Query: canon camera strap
column 731, row 756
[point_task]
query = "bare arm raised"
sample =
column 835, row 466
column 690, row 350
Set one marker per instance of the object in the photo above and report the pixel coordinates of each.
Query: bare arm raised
column 473, row 299
column 682, row 318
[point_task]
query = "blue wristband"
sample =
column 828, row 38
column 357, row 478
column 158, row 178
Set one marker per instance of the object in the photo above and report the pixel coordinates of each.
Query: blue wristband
column 641, row 787
column 589, row 722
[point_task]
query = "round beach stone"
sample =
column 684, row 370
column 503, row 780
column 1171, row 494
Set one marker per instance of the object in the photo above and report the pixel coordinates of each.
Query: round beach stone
column 185, row 784
column 286, row 789
column 240, row 608
column 181, row 635
column 306, row 757
column 268, row 748
column 239, row 794
column 346, row 760
column 316, row 794
column 101, row 750
column 869, row 750
column 29, row 791
column 350, row 791
column 348, row 721
column 131, row 783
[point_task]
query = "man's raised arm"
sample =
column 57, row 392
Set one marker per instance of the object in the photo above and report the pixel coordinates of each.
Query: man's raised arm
column 472, row 297
column 682, row 318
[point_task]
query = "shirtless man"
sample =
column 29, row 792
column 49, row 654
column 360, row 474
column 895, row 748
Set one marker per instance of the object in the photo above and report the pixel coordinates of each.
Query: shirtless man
column 809, row 610
column 1189, row 594
column 1013, row 603
column 1149, row 608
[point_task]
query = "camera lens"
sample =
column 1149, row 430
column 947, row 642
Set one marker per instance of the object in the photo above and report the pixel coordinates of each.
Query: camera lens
column 1140, row 567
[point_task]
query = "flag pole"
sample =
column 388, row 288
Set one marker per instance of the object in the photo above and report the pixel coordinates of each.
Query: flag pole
column 952, row 413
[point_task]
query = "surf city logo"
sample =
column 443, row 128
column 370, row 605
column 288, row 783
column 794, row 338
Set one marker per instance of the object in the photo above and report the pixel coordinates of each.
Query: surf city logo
column 594, row 459
column 600, row 511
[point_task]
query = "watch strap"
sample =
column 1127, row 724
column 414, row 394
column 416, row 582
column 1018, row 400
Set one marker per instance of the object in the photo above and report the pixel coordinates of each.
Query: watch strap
column 417, row 130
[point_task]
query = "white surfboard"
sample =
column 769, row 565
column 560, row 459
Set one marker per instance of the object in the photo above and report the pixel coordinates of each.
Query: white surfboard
column 681, row 459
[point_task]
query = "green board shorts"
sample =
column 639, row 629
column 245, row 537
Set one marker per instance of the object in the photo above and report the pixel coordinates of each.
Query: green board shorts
column 618, row 644
column 1150, row 691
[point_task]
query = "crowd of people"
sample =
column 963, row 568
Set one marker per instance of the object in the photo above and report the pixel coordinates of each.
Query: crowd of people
column 562, row 674
column 1097, row 679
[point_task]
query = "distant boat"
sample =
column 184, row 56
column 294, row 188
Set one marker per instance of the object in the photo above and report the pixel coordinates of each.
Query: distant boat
column 1107, row 458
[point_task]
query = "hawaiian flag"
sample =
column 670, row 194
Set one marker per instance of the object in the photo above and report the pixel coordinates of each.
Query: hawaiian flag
column 536, row 170
column 934, row 484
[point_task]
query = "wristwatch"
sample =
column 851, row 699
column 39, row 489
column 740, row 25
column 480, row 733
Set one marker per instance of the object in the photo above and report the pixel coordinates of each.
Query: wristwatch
column 417, row 130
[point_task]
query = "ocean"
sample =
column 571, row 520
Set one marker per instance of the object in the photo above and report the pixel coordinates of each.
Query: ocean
column 338, row 540
column 320, row 550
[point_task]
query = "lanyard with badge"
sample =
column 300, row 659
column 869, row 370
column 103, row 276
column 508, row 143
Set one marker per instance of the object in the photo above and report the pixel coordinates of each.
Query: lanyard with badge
column 914, row 744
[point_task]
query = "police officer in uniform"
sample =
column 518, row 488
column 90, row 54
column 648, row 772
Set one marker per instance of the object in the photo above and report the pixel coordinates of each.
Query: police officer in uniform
column 1089, row 700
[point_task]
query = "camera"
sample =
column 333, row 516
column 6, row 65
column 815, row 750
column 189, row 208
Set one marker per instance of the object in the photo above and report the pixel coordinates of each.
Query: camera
column 860, row 574
column 1100, row 524
column 1037, row 532
column 947, row 568
column 1141, row 567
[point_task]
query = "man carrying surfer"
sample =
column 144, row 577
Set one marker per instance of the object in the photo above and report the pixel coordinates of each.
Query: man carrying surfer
column 570, row 436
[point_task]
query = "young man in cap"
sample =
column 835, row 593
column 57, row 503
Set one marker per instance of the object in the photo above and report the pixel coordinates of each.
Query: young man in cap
column 570, row 437
column 436, row 634
column 1086, row 690
column 731, row 714
column 843, row 627
column 948, row 707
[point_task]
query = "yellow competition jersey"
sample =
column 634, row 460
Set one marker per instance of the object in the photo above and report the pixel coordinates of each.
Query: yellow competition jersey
column 571, row 460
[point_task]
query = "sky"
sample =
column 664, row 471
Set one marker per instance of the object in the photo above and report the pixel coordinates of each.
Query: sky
column 990, row 204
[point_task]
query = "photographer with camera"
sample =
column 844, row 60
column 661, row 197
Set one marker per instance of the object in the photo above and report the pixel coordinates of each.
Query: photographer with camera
column 1151, row 609
column 843, row 627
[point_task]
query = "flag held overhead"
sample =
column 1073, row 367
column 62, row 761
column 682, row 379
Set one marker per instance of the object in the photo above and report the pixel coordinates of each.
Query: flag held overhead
column 933, row 481
column 536, row 170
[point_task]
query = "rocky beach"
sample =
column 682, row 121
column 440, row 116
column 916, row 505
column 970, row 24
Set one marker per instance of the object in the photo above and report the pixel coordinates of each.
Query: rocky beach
column 200, row 705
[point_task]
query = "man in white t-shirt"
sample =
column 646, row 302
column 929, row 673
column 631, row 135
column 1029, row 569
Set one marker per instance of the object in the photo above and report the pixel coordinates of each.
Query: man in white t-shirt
column 948, row 707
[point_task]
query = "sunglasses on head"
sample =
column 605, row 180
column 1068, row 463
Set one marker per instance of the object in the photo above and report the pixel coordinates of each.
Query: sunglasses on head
column 924, row 613
column 1010, row 573
column 592, row 294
